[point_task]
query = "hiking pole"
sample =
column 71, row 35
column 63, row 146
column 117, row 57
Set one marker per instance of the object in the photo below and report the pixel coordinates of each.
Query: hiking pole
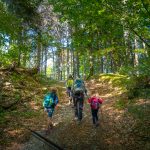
column 42, row 138
column 45, row 140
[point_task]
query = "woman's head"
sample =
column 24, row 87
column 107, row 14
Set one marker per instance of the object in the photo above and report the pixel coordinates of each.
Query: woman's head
column 70, row 76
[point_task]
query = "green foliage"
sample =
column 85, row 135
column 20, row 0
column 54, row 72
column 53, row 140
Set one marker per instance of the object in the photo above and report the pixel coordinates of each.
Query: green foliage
column 120, row 104
column 139, row 111
column 9, row 24
column 3, row 117
column 127, row 70
column 42, row 79
column 144, row 67
column 27, row 114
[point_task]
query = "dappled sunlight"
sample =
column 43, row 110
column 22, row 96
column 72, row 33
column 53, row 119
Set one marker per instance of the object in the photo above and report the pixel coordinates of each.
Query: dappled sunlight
column 143, row 102
column 112, row 132
column 34, row 105
column 15, row 132
column 98, row 85
column 117, row 118
column 44, row 88
column 108, row 95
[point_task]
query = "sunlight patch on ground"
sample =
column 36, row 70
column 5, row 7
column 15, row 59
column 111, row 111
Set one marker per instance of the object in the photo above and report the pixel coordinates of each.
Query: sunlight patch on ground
column 92, row 81
column 143, row 102
column 63, row 87
column 15, row 132
column 44, row 88
column 117, row 118
column 108, row 95
column 98, row 84
column 58, row 120
column 34, row 106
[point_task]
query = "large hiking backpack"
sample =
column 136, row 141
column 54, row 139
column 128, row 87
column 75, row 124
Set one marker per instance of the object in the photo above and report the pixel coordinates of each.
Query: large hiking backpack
column 49, row 100
column 95, row 103
column 78, row 86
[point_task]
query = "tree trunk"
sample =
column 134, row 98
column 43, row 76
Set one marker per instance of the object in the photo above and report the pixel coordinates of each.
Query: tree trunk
column 45, row 63
column 77, row 64
column 39, row 52
column 136, row 46
column 74, row 64
column 68, row 65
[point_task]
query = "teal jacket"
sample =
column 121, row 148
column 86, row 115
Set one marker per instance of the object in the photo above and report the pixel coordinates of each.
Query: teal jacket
column 50, row 100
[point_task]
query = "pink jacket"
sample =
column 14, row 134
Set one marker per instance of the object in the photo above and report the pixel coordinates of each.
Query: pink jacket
column 94, row 98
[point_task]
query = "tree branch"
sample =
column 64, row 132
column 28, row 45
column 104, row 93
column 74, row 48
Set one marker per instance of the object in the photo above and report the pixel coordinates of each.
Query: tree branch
column 145, row 6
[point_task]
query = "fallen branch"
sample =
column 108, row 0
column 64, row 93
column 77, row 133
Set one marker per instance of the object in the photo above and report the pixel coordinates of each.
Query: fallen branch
column 30, row 71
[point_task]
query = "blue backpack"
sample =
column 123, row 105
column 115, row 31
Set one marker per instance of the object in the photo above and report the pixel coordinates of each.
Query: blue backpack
column 78, row 85
column 49, row 100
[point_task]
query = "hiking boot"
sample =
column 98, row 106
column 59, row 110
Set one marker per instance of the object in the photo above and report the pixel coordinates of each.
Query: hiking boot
column 97, row 124
column 75, row 118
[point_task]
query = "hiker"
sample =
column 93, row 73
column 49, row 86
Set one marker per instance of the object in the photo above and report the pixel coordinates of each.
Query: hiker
column 79, row 91
column 49, row 103
column 69, row 85
column 95, row 102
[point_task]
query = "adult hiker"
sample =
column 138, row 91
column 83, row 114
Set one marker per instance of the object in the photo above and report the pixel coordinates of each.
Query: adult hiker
column 69, row 84
column 95, row 102
column 49, row 103
column 79, row 92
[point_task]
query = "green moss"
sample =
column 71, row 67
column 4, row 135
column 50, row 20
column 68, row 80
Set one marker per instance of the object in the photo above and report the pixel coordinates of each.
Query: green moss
column 26, row 114
column 120, row 104
column 139, row 111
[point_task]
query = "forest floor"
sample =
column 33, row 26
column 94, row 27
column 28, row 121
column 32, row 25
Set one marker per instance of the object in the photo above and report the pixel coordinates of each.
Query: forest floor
column 119, row 127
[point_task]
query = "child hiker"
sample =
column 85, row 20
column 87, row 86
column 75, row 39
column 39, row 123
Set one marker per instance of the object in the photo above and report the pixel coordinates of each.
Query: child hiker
column 95, row 102
column 49, row 103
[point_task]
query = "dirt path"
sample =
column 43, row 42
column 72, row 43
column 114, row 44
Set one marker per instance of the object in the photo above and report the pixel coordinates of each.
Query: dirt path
column 114, row 132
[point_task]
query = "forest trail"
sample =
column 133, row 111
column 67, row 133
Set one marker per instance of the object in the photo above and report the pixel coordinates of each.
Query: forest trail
column 114, row 131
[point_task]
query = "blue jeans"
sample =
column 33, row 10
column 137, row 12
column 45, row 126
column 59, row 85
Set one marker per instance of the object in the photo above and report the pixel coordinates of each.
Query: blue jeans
column 94, row 115
column 50, row 112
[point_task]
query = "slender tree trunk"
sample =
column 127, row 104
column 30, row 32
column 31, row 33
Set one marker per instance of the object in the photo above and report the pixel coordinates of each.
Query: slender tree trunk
column 91, row 72
column 45, row 66
column 39, row 52
column 78, row 64
column 53, row 70
column 74, row 64
column 102, row 64
column 136, row 61
column 68, row 65
column 72, row 58
column 61, row 72
column 20, row 42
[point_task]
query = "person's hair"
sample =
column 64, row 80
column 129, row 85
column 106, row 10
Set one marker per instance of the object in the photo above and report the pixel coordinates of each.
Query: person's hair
column 70, row 76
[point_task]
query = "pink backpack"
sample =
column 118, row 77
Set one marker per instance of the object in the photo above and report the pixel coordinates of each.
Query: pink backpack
column 95, row 103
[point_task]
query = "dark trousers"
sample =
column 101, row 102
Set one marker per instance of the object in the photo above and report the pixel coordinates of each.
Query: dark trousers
column 69, row 91
column 78, row 106
column 94, row 115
